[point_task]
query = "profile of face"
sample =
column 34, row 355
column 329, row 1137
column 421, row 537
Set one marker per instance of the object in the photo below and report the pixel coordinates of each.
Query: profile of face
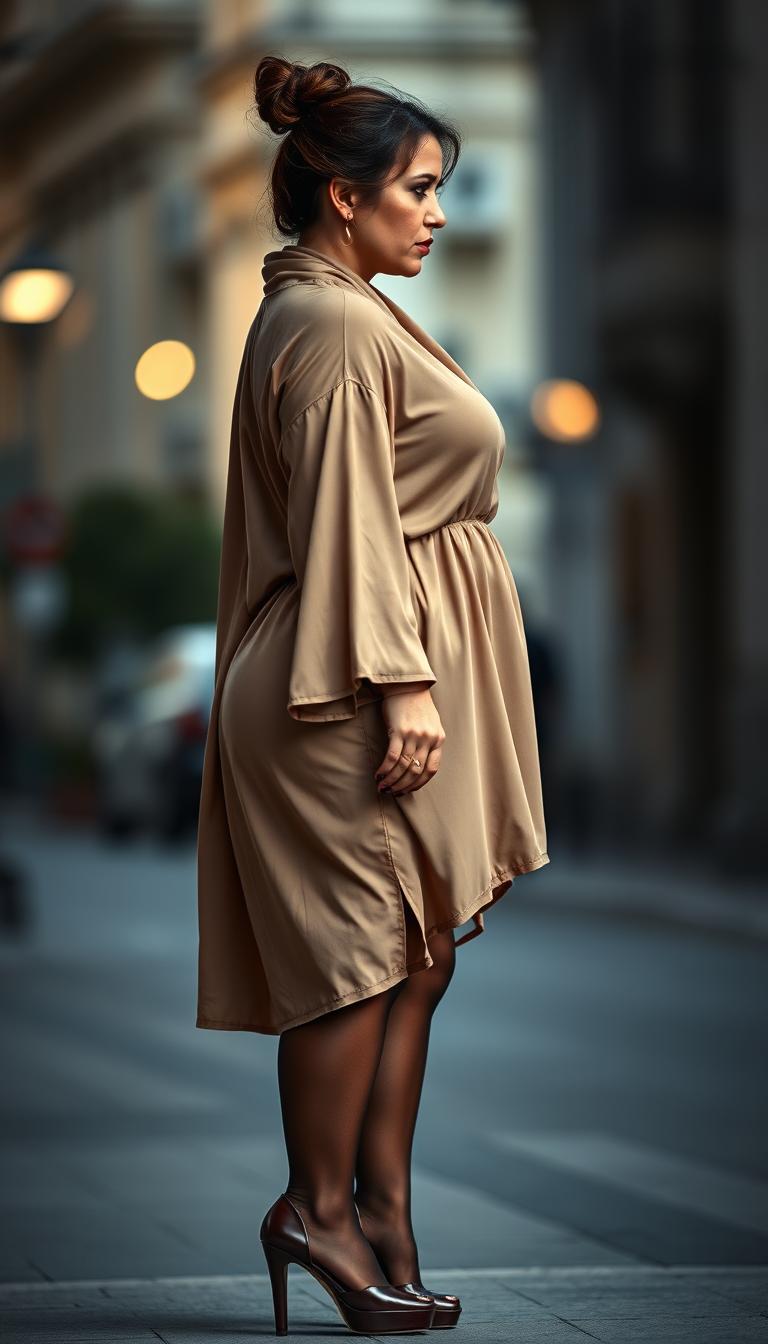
column 387, row 234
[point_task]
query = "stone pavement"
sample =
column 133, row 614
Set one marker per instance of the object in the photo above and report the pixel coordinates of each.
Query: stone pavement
column 673, row 891
column 681, row 1304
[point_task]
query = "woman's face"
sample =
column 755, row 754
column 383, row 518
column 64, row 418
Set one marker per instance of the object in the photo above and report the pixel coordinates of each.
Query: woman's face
column 407, row 211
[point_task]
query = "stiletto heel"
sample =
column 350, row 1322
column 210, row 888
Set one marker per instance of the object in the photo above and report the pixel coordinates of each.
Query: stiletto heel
column 277, row 1264
column 378, row 1309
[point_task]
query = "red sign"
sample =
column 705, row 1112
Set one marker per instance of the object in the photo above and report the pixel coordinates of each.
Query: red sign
column 35, row 529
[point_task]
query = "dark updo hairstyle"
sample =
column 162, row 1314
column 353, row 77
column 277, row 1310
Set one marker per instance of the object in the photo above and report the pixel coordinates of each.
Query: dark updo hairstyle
column 334, row 128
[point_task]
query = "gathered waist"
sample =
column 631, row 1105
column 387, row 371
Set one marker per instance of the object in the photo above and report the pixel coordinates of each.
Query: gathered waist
column 456, row 522
column 290, row 581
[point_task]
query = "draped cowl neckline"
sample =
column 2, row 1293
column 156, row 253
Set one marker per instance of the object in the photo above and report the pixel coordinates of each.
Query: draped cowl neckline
column 295, row 264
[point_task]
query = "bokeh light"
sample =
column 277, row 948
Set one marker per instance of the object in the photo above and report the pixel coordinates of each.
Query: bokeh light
column 37, row 294
column 565, row 410
column 165, row 369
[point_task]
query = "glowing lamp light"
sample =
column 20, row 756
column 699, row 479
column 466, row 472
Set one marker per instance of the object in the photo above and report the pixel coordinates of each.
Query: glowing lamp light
column 165, row 369
column 565, row 410
column 34, row 293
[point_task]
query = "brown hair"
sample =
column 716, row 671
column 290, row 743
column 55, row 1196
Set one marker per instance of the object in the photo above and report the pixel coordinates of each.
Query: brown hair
column 334, row 128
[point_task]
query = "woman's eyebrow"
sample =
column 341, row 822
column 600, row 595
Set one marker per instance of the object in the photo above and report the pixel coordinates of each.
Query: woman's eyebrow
column 429, row 177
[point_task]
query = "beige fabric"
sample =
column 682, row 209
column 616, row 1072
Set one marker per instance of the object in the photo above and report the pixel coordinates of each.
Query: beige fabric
column 362, row 478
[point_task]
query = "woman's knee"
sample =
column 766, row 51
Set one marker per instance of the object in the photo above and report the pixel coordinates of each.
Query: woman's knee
column 434, row 981
column 443, row 952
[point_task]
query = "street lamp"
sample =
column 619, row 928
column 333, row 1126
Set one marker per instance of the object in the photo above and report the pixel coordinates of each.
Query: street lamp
column 34, row 290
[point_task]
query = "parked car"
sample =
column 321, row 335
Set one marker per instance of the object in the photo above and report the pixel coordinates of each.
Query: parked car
column 149, row 735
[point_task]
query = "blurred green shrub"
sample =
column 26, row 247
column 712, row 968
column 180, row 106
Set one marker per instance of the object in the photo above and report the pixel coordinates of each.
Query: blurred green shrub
column 137, row 561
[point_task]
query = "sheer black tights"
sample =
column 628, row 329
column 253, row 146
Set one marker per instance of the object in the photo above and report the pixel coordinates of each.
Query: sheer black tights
column 350, row 1084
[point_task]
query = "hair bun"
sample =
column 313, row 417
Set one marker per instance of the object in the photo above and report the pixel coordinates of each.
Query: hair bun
column 285, row 92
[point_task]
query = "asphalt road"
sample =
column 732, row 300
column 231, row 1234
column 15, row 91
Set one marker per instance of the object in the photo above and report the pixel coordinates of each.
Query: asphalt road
column 596, row 1092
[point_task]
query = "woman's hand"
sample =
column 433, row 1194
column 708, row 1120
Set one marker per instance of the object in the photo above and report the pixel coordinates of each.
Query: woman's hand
column 415, row 730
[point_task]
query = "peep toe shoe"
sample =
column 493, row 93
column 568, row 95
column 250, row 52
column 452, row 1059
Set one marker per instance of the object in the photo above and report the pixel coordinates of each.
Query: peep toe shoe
column 377, row 1310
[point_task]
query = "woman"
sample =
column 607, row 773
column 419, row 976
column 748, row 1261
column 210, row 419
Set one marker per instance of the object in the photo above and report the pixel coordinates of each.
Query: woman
column 371, row 774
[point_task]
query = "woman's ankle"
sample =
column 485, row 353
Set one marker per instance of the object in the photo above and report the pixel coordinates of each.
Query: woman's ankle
column 325, row 1210
column 388, row 1205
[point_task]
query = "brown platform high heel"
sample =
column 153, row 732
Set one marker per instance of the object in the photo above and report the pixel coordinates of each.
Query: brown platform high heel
column 377, row 1310
column 447, row 1305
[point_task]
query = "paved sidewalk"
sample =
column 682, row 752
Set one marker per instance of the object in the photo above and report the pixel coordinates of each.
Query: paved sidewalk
column 675, row 892
column 616, row 1305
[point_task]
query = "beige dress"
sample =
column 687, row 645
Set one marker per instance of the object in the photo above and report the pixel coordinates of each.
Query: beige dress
column 361, row 482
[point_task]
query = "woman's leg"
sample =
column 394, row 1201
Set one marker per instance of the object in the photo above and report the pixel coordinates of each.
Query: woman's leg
column 325, row 1071
column 383, row 1192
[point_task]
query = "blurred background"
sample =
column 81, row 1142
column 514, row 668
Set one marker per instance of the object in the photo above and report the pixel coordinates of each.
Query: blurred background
column 601, row 278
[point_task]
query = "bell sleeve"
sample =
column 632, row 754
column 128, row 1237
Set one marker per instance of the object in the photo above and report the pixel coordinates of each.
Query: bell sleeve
column 356, row 622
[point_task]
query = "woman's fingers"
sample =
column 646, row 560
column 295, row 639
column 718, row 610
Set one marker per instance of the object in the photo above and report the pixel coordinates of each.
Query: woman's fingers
column 414, row 730
column 403, row 776
column 393, row 766
column 427, row 770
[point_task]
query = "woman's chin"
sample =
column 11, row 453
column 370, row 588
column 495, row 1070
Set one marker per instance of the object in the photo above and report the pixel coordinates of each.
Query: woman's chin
column 409, row 265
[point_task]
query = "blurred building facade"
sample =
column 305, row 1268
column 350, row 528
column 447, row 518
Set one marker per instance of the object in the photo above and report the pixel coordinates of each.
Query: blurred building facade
column 100, row 130
column 655, row 222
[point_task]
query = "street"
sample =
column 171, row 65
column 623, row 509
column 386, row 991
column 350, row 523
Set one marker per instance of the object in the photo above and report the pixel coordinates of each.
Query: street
column 594, row 1111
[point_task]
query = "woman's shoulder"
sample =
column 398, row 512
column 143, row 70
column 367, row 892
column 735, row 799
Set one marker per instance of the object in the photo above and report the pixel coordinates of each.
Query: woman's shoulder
column 325, row 334
column 330, row 311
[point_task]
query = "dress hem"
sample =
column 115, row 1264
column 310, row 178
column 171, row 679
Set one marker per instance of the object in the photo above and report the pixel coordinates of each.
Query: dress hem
column 474, row 910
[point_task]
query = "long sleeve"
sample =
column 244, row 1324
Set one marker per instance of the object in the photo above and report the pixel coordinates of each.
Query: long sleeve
column 356, row 618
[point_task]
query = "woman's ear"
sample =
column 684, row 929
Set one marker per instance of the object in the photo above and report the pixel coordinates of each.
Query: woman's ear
column 342, row 194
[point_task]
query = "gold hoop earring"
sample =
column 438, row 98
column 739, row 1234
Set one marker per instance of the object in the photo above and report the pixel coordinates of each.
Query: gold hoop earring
column 349, row 238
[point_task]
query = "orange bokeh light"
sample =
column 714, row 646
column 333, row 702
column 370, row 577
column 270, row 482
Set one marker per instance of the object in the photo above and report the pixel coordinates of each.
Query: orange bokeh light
column 565, row 410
